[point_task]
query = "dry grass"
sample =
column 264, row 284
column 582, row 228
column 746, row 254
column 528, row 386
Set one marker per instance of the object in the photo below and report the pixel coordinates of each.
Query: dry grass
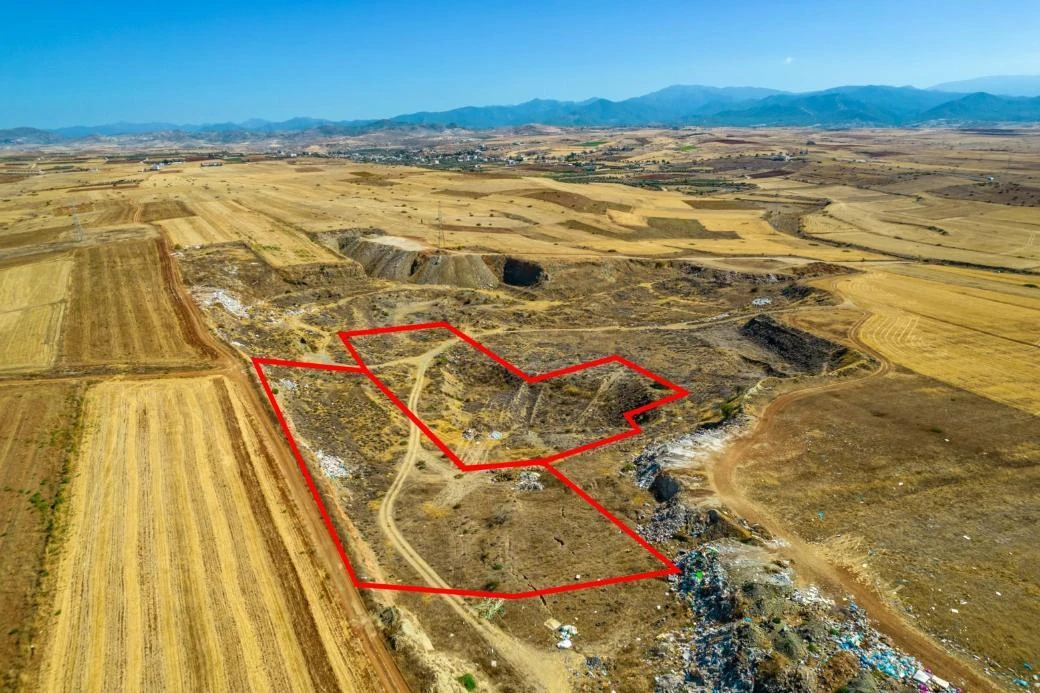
column 33, row 296
column 37, row 433
column 923, row 490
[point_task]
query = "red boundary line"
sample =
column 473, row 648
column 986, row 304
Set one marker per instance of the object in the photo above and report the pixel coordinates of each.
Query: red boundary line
column 670, row 567
column 634, row 428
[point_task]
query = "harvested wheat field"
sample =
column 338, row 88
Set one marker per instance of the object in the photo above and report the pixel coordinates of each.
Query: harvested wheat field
column 32, row 308
column 123, row 310
column 177, row 574
column 983, row 341
column 279, row 243
column 37, row 435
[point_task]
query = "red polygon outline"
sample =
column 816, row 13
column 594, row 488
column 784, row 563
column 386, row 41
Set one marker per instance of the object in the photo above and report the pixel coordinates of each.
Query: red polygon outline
column 670, row 567
column 634, row 428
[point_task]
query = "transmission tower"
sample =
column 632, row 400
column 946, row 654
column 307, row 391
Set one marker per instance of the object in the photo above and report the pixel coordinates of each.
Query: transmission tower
column 440, row 228
column 75, row 221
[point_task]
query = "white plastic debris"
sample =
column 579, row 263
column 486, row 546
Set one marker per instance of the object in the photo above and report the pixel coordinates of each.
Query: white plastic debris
column 565, row 644
column 922, row 676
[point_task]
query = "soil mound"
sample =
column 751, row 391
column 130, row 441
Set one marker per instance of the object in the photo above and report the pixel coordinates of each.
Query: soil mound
column 807, row 351
column 405, row 260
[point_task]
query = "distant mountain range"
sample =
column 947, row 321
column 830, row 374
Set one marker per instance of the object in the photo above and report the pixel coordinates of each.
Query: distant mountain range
column 1001, row 85
column 1006, row 100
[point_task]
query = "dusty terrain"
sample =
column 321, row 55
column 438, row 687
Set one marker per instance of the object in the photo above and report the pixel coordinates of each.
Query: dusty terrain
column 854, row 315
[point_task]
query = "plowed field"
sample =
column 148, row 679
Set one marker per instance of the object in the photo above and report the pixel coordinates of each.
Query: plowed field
column 123, row 311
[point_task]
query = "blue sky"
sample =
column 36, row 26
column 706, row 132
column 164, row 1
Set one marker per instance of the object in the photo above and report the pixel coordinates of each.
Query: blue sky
column 188, row 62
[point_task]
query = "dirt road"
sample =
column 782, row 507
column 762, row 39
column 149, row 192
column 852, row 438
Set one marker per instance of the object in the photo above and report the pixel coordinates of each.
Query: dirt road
column 546, row 673
column 807, row 559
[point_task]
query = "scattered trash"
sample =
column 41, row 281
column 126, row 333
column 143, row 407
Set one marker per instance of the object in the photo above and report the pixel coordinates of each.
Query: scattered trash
column 761, row 301
column 469, row 434
column 748, row 607
column 332, row 466
column 529, row 480
column 209, row 297
column 495, row 435
column 566, row 634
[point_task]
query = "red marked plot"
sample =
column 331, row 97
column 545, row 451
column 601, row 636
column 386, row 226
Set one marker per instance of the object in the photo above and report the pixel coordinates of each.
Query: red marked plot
column 629, row 416
column 596, row 546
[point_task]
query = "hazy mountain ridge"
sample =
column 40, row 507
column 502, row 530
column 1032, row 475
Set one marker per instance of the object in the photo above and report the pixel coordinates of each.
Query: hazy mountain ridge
column 847, row 106
column 999, row 85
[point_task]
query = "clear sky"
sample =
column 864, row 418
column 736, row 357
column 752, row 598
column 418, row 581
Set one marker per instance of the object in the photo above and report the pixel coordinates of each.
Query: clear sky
column 89, row 62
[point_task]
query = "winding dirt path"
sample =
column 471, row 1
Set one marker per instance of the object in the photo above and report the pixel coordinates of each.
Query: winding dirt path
column 548, row 674
column 723, row 476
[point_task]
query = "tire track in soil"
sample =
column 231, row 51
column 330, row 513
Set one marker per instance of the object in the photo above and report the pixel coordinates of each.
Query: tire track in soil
column 547, row 674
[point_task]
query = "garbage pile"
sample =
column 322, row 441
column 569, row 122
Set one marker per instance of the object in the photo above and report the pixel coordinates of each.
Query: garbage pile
column 529, row 480
column 566, row 633
column 690, row 451
column 668, row 520
column 754, row 630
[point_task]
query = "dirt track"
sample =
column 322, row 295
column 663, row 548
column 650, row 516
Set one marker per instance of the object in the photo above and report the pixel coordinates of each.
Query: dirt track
column 547, row 674
column 807, row 559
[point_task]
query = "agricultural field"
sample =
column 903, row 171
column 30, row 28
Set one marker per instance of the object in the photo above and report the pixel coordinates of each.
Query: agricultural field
column 34, row 296
column 208, row 596
column 122, row 310
column 985, row 341
column 38, row 435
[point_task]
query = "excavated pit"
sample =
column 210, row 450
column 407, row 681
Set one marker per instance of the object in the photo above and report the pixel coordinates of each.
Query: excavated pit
column 521, row 272
column 407, row 260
